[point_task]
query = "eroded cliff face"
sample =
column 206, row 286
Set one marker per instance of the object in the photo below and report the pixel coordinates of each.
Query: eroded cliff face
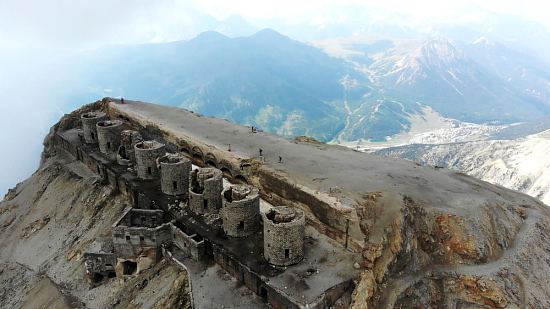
column 428, row 238
column 431, row 258
column 48, row 221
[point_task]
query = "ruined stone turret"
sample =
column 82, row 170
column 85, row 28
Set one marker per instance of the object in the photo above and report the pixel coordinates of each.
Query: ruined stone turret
column 126, row 154
column 174, row 174
column 205, row 193
column 147, row 153
column 108, row 136
column 89, row 121
column 284, row 235
column 240, row 211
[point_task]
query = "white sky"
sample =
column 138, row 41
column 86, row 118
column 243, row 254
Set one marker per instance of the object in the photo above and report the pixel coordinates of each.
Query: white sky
column 86, row 23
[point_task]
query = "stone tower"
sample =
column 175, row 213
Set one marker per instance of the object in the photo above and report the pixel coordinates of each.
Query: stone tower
column 284, row 235
column 174, row 174
column 89, row 121
column 147, row 153
column 205, row 193
column 126, row 154
column 240, row 211
column 108, row 136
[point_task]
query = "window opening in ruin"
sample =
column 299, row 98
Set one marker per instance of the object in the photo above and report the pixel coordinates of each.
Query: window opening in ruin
column 141, row 238
column 185, row 244
column 142, row 220
column 287, row 253
column 127, row 237
column 241, row 226
column 111, row 274
column 109, row 145
column 263, row 294
column 129, row 267
column 109, row 267
column 93, row 135
column 205, row 204
column 240, row 179
column 98, row 277
column 175, row 185
column 149, row 171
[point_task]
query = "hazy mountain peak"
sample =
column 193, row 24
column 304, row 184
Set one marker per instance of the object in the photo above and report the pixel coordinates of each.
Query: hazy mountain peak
column 434, row 55
column 437, row 51
column 210, row 36
column 269, row 34
column 235, row 26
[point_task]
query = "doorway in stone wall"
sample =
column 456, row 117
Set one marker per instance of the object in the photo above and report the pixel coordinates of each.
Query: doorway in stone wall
column 129, row 268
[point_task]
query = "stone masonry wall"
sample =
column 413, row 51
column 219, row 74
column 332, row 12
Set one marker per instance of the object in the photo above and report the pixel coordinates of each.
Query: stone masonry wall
column 147, row 153
column 174, row 175
column 101, row 263
column 284, row 235
column 89, row 121
column 241, row 211
column 129, row 242
column 205, row 193
column 108, row 136
column 193, row 245
column 128, row 139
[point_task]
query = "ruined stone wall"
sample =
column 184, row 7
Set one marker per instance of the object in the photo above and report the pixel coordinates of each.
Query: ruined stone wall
column 108, row 136
column 99, row 263
column 147, row 153
column 205, row 193
column 193, row 245
column 89, row 121
column 128, row 139
column 129, row 242
column 241, row 211
column 252, row 280
column 174, row 175
column 284, row 235
column 143, row 218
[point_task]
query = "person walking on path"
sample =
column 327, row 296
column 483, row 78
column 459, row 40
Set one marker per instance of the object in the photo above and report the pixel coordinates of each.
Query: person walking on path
column 280, row 159
column 261, row 151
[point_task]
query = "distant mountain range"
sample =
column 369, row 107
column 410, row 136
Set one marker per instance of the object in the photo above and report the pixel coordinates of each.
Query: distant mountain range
column 370, row 92
column 521, row 164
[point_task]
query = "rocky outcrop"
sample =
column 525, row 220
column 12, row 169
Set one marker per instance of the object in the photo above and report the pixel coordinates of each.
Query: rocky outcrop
column 452, row 259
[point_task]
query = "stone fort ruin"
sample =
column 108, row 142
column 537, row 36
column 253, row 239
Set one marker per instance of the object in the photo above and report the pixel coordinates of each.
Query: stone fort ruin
column 190, row 204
